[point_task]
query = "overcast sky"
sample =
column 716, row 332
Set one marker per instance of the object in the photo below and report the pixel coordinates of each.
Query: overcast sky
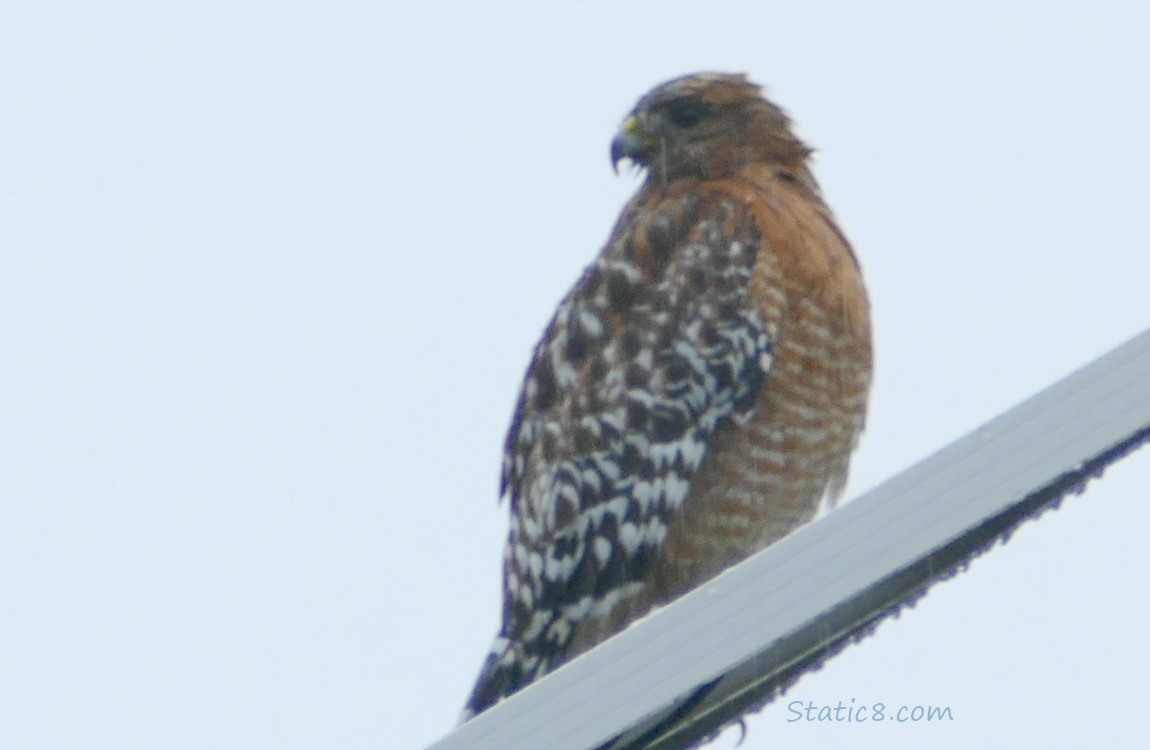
column 270, row 273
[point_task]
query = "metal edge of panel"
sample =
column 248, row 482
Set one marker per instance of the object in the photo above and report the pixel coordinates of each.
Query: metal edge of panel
column 968, row 495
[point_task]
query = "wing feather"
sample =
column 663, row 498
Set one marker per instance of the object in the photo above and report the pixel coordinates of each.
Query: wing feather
column 656, row 345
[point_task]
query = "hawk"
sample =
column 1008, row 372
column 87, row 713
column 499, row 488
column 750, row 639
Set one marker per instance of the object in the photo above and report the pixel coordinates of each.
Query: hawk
column 698, row 392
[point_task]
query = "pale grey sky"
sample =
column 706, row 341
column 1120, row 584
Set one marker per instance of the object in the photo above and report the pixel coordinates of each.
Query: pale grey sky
column 270, row 274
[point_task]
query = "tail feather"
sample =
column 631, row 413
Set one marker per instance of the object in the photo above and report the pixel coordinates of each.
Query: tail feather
column 503, row 673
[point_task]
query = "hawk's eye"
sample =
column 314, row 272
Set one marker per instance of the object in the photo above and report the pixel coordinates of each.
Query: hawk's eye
column 686, row 114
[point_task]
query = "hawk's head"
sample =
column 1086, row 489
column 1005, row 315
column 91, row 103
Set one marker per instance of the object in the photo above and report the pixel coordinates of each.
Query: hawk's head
column 706, row 125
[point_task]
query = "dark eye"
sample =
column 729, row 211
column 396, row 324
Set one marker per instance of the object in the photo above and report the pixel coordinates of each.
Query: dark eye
column 686, row 114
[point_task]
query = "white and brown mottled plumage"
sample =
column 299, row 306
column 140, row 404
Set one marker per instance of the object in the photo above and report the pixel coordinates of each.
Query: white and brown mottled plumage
column 697, row 394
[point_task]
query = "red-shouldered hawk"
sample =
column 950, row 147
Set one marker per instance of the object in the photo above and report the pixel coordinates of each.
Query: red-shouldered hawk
column 697, row 394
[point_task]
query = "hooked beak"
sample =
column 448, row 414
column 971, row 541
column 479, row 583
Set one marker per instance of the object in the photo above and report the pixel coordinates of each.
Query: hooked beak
column 628, row 143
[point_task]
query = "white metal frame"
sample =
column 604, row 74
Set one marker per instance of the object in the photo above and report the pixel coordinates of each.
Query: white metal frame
column 725, row 648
